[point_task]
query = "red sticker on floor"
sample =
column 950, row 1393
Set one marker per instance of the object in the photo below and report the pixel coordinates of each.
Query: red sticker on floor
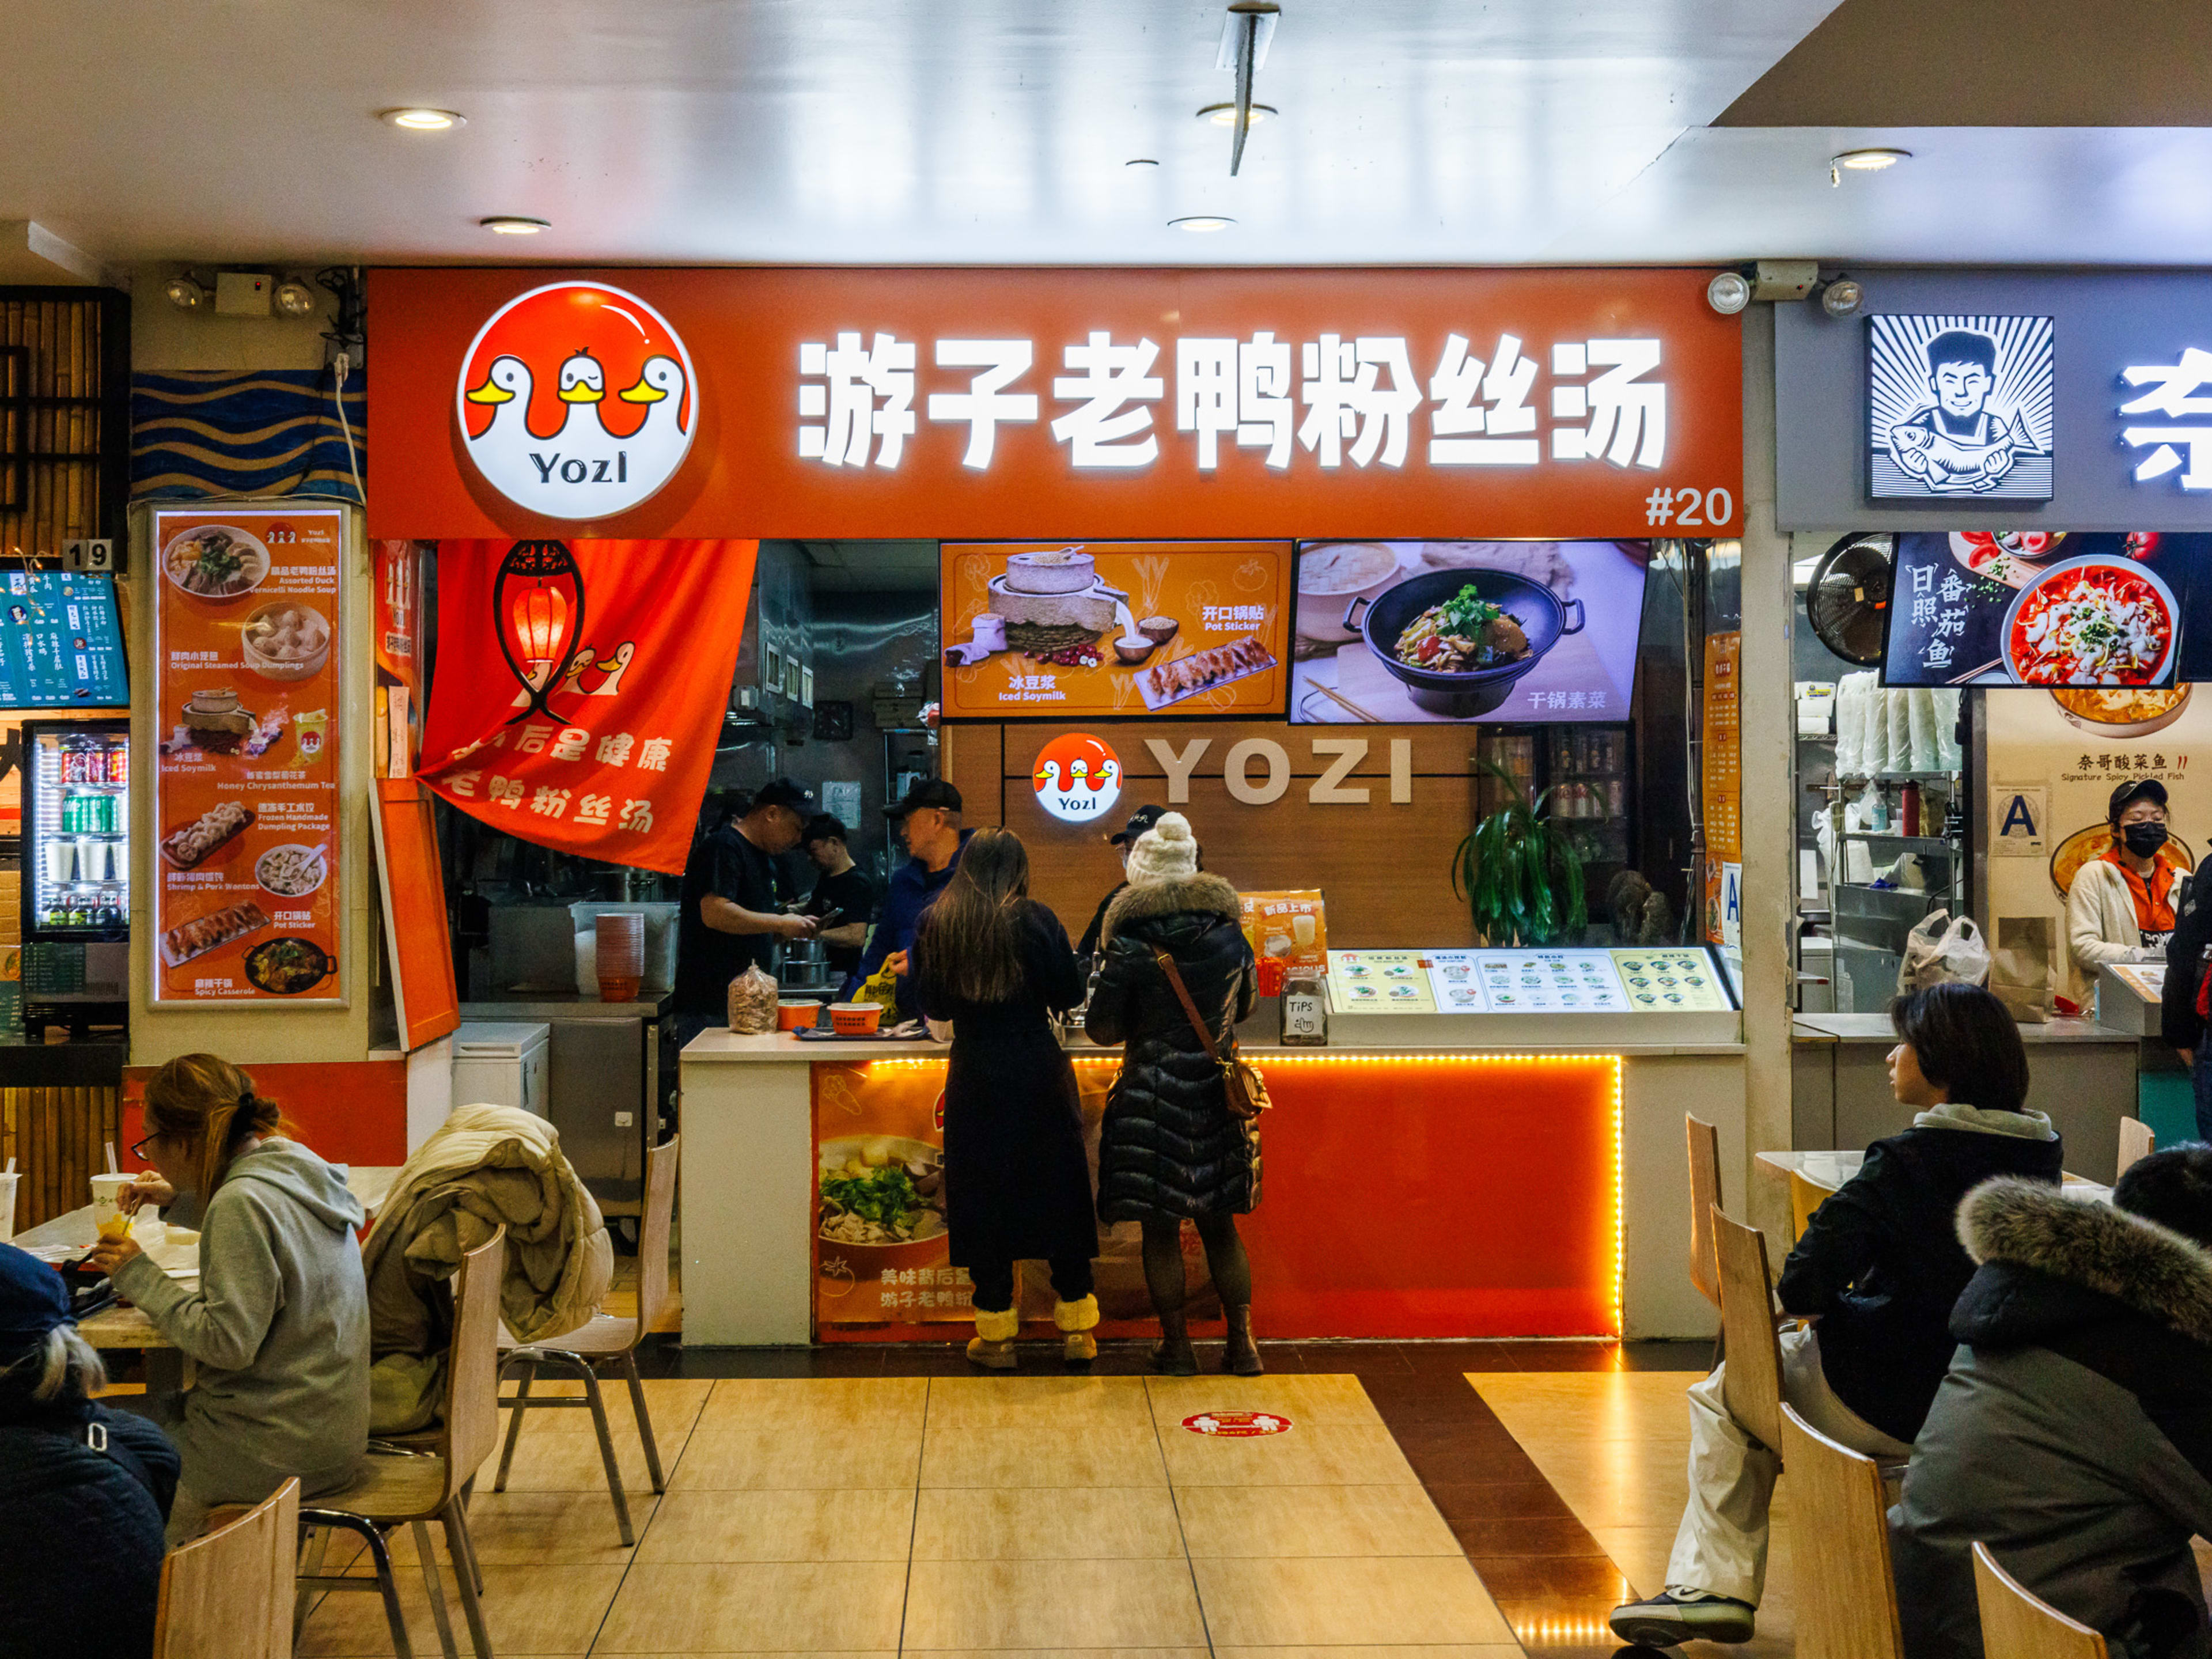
column 1237, row 1425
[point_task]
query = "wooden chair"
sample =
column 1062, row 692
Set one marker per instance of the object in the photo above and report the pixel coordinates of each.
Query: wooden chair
column 227, row 1593
column 608, row 1340
column 2018, row 1626
column 1705, row 1198
column 1752, row 1384
column 2136, row 1141
column 407, row 1488
column 1805, row 1197
column 1846, row 1591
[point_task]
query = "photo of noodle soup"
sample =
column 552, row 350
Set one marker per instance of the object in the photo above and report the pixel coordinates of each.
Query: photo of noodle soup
column 880, row 1203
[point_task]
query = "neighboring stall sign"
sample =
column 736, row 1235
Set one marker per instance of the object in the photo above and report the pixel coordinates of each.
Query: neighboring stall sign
column 2044, row 608
column 1998, row 400
column 249, row 694
column 582, row 686
column 1400, row 632
column 1008, row 402
column 1721, row 782
column 1073, row 630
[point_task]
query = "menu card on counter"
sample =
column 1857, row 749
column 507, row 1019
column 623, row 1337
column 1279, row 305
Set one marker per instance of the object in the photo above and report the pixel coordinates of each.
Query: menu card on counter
column 2146, row 979
column 1548, row 982
column 1668, row 980
column 1378, row 980
column 246, row 783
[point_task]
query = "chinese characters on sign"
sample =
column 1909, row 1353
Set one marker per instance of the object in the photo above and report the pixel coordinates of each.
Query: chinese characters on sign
column 247, row 664
column 2178, row 391
column 1355, row 400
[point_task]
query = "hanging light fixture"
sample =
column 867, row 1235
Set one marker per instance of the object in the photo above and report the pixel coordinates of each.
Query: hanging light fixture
column 538, row 600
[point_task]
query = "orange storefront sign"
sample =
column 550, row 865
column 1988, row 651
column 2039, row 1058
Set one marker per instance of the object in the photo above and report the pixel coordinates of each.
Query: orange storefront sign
column 1010, row 404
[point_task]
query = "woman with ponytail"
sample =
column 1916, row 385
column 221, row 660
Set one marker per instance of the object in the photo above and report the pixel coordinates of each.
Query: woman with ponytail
column 279, row 1321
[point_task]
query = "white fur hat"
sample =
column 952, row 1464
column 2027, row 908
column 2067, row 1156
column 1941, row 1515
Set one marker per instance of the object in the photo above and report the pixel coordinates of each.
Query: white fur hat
column 1166, row 851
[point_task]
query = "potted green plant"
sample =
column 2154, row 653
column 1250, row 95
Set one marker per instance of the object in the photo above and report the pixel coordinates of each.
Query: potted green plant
column 1521, row 877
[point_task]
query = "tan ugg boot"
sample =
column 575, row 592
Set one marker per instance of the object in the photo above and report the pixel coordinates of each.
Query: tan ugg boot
column 1077, row 1319
column 993, row 1347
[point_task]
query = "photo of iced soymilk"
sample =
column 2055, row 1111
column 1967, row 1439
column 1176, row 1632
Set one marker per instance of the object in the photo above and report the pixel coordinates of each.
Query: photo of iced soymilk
column 1302, row 931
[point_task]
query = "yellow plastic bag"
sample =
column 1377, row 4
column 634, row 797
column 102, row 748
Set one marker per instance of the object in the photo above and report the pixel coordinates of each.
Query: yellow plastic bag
column 880, row 987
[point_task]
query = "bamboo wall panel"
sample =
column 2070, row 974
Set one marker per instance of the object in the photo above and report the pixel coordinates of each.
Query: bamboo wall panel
column 54, row 500
column 57, row 1138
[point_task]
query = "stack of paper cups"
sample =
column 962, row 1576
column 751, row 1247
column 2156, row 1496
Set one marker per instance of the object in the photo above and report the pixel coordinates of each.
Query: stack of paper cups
column 621, row 955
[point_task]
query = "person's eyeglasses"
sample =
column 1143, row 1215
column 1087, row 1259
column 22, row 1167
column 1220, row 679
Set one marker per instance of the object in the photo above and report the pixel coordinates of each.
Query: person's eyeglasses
column 138, row 1148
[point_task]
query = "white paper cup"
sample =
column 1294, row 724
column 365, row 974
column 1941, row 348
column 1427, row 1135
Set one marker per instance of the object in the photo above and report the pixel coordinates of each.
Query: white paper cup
column 7, row 1207
column 61, row 861
column 105, row 1190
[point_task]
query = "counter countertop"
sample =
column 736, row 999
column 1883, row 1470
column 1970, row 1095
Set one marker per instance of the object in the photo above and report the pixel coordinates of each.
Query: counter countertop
column 555, row 1005
column 1876, row 1028
column 726, row 1047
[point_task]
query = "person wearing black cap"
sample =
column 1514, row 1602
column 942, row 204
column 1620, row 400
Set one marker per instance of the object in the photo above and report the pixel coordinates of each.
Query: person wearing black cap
column 844, row 899
column 732, row 908
column 1120, row 840
column 84, row 1492
column 2120, row 908
column 929, row 821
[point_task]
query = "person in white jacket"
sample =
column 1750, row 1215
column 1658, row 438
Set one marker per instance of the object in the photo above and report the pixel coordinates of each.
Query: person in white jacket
column 2120, row 908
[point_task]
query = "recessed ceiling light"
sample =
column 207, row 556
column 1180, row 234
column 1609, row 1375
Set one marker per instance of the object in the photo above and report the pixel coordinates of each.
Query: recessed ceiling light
column 1224, row 115
column 423, row 120
column 1870, row 160
column 1141, row 161
column 1200, row 223
column 509, row 224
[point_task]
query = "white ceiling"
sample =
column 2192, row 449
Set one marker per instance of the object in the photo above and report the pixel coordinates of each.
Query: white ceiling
column 884, row 132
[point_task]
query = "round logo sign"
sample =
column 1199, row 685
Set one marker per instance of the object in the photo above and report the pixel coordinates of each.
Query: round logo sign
column 1078, row 777
column 1237, row 1425
column 577, row 401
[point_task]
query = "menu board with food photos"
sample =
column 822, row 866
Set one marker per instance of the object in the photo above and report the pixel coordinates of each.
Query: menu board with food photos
column 246, row 769
column 1526, row 981
column 1115, row 629
column 1663, row 981
column 1396, row 981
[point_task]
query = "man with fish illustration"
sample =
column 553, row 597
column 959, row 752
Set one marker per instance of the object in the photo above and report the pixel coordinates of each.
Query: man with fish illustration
column 1958, row 446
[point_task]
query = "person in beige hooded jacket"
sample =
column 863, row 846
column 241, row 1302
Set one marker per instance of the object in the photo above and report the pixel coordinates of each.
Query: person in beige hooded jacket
column 2120, row 908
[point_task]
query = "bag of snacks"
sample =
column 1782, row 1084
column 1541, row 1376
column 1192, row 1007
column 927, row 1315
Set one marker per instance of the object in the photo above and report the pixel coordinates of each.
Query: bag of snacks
column 753, row 997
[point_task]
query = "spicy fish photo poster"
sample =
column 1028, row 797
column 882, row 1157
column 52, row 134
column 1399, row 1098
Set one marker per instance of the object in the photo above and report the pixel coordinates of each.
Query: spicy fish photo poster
column 245, row 766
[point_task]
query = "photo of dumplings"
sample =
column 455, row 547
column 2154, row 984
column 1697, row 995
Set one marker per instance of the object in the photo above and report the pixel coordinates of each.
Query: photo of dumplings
column 287, row 641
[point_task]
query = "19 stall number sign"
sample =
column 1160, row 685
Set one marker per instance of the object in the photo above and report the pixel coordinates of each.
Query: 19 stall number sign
column 1355, row 400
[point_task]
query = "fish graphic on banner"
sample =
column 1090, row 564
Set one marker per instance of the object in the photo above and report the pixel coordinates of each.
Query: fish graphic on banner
column 579, row 695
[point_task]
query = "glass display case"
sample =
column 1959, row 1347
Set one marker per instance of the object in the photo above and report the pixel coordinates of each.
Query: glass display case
column 76, row 831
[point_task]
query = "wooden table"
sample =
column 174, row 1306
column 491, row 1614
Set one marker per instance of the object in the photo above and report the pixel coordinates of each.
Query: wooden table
column 1829, row 1170
column 127, row 1328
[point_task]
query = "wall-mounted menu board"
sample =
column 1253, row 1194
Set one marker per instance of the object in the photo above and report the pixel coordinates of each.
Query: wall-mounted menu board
column 1119, row 630
column 61, row 644
column 246, row 658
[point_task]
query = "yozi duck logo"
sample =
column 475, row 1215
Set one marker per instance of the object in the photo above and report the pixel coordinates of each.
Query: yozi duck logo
column 1077, row 778
column 577, row 401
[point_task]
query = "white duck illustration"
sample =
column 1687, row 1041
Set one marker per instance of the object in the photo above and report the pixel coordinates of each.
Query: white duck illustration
column 1108, row 778
column 1079, row 773
column 581, row 471
column 1047, row 777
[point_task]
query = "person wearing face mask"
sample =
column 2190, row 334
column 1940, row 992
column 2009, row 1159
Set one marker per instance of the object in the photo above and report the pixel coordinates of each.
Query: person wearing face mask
column 2121, row 905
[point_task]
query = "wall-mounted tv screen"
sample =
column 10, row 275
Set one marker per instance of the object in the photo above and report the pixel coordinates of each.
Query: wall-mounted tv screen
column 1398, row 632
column 1114, row 630
column 61, row 643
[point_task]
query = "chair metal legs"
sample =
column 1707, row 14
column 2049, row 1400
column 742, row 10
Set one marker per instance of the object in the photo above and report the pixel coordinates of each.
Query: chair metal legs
column 531, row 1358
column 385, row 1583
column 515, row 1424
column 644, row 1420
column 470, row 1577
column 426, row 1557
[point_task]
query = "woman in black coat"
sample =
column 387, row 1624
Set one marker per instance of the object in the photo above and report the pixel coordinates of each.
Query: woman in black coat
column 1168, row 1151
column 996, row 964
column 84, row 1492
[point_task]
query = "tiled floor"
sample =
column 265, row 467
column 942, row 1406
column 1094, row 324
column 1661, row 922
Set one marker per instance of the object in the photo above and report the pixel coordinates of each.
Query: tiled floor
column 956, row 1514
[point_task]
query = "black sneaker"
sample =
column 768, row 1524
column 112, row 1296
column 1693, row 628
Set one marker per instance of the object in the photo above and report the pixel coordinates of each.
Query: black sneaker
column 1667, row 1621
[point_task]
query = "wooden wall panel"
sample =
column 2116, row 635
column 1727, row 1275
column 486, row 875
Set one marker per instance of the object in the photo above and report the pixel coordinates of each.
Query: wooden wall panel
column 971, row 758
column 1385, row 868
column 57, row 1138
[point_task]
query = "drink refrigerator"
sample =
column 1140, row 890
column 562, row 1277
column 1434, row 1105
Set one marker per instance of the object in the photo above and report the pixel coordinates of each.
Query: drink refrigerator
column 76, row 831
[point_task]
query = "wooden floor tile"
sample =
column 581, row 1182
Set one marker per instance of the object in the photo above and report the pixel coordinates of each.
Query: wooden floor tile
column 551, row 1459
column 1267, row 1522
column 862, row 1403
column 1383, row 1601
column 727, row 1459
column 1037, row 1456
column 998, row 1605
column 757, row 1608
column 703, row 1527
column 1322, row 1455
column 1104, row 1523
column 528, row 1529
column 1047, row 1402
column 527, row 1609
column 1305, row 1400
column 1481, row 1650
column 674, row 1403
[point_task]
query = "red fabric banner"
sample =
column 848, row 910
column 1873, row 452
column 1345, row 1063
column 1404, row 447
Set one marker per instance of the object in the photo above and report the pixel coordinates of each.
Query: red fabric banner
column 580, row 688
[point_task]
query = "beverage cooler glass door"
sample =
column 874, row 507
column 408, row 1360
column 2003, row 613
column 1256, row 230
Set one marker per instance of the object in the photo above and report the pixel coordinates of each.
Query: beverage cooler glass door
column 77, row 831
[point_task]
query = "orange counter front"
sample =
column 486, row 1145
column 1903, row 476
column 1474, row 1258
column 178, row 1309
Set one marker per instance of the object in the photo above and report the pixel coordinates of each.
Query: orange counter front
column 1417, row 1196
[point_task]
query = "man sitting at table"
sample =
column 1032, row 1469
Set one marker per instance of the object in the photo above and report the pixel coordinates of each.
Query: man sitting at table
column 2072, row 1435
column 1879, row 1267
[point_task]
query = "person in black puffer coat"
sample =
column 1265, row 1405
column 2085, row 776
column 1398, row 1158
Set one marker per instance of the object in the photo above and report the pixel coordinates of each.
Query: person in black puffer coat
column 2073, row 1434
column 84, row 1492
column 1168, row 1151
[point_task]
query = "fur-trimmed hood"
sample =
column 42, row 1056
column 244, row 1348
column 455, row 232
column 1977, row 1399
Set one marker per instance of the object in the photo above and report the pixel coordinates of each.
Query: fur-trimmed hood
column 1207, row 895
column 2085, row 1244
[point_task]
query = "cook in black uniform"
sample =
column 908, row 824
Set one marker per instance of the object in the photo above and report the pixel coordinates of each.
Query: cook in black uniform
column 1121, row 839
column 844, row 892
column 732, row 913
